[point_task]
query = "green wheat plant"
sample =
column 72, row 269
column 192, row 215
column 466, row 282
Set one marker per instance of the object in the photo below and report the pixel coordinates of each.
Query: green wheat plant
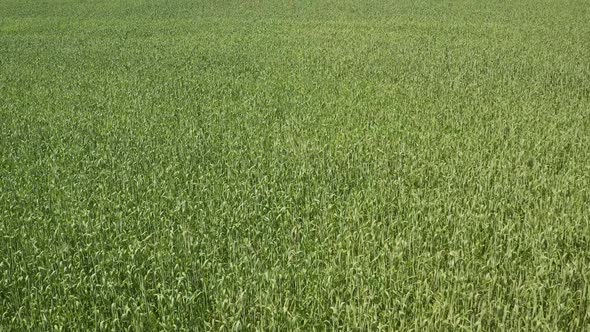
column 300, row 165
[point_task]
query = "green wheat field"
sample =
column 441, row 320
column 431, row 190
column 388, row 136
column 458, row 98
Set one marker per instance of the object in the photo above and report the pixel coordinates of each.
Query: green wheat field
column 191, row 165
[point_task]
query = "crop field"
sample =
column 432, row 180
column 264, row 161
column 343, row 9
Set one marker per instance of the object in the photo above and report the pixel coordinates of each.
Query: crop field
column 295, row 165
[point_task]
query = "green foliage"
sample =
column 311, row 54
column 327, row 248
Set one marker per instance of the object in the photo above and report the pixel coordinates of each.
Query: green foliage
column 294, row 165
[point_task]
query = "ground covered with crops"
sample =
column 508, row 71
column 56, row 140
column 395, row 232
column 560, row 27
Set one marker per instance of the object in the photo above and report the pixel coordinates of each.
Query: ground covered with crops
column 294, row 165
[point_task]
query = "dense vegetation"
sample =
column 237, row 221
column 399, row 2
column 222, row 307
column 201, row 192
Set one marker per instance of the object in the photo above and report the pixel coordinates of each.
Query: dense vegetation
column 397, row 165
